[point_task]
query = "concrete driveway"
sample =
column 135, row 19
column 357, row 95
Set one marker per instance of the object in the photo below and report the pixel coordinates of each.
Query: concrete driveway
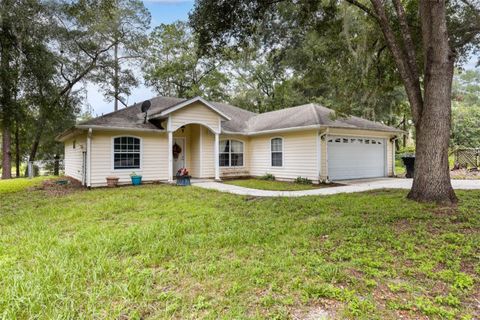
column 348, row 187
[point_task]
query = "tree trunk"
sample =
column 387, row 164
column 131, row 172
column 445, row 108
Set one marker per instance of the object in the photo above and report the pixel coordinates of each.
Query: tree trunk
column 6, row 153
column 56, row 165
column 431, row 182
column 36, row 142
column 7, row 43
column 116, row 82
column 17, row 150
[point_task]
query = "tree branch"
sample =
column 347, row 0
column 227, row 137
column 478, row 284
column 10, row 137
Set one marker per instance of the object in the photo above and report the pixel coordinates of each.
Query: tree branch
column 412, row 84
column 407, row 39
column 82, row 74
column 364, row 8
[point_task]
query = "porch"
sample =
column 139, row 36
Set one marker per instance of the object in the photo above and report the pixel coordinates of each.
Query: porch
column 193, row 146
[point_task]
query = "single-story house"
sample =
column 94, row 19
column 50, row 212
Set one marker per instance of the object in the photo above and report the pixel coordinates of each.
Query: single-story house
column 217, row 140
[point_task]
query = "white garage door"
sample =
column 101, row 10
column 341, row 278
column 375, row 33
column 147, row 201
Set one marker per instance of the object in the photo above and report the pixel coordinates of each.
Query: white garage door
column 355, row 157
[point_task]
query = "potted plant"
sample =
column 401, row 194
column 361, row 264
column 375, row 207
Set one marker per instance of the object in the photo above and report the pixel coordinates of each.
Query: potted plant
column 136, row 179
column 183, row 177
column 112, row 181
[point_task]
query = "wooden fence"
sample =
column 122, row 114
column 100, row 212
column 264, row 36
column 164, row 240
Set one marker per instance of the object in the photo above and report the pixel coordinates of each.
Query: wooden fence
column 467, row 158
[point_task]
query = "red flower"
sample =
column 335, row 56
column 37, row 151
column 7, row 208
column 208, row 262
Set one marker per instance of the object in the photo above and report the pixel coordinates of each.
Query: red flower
column 182, row 172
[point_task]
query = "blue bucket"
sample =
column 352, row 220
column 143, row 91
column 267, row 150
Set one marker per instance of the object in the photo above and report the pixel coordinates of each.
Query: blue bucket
column 183, row 180
column 136, row 180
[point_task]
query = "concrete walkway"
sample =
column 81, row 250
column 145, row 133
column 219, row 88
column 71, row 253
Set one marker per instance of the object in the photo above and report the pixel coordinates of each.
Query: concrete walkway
column 349, row 187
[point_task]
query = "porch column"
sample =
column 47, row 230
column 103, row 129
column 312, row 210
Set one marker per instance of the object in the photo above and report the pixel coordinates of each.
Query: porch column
column 217, row 156
column 170, row 156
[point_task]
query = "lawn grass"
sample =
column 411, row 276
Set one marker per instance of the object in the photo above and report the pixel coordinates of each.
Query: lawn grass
column 15, row 185
column 163, row 252
column 270, row 184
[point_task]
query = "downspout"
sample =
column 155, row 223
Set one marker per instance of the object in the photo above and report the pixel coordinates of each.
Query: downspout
column 89, row 158
column 325, row 134
column 319, row 153
column 392, row 140
column 200, row 139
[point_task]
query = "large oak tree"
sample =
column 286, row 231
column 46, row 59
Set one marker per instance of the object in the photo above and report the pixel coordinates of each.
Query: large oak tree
column 425, row 39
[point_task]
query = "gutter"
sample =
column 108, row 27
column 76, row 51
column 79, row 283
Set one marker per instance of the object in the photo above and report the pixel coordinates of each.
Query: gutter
column 393, row 154
column 89, row 158
column 68, row 133
column 319, row 153
column 311, row 127
column 109, row 128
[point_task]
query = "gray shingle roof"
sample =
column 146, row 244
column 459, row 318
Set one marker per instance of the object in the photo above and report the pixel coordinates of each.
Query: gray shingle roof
column 310, row 115
column 132, row 116
column 242, row 121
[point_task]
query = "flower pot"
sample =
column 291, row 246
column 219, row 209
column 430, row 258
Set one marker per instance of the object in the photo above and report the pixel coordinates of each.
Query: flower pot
column 136, row 180
column 183, row 180
column 112, row 182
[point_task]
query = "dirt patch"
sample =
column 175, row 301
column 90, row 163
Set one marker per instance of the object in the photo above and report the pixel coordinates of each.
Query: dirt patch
column 446, row 211
column 402, row 225
column 324, row 309
column 469, row 174
column 60, row 186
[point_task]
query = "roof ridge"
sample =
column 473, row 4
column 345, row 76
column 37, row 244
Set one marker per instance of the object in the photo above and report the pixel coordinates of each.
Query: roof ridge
column 108, row 114
column 317, row 116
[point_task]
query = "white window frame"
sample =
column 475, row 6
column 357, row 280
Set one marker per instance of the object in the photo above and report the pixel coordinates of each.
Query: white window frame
column 230, row 154
column 113, row 155
column 283, row 152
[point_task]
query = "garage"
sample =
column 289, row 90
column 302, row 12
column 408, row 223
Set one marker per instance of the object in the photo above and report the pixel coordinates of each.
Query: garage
column 356, row 157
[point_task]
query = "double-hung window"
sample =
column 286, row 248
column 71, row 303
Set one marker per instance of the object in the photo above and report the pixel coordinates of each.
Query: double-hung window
column 126, row 153
column 231, row 153
column 276, row 147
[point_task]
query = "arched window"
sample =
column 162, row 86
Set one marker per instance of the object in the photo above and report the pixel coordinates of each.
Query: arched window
column 276, row 148
column 231, row 153
column 126, row 153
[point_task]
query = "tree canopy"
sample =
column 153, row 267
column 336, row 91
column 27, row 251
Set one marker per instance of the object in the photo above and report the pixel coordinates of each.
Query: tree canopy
column 424, row 39
column 174, row 68
column 466, row 109
column 47, row 48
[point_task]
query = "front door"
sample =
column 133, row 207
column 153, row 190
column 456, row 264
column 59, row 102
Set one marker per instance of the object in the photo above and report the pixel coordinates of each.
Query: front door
column 178, row 154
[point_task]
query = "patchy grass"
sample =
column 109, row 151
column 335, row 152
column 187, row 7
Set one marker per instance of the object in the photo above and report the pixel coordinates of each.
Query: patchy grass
column 156, row 252
column 15, row 185
column 272, row 185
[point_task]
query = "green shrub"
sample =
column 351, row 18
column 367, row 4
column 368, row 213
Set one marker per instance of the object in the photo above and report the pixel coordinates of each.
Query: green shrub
column 268, row 177
column 301, row 180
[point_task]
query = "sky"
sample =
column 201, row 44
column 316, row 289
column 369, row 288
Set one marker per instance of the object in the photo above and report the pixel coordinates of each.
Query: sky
column 162, row 11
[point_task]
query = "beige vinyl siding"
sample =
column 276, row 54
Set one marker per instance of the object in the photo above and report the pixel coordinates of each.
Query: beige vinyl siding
column 357, row 133
column 208, row 156
column 299, row 155
column 390, row 160
column 194, row 150
column 74, row 156
column 230, row 172
column 154, row 157
column 195, row 113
